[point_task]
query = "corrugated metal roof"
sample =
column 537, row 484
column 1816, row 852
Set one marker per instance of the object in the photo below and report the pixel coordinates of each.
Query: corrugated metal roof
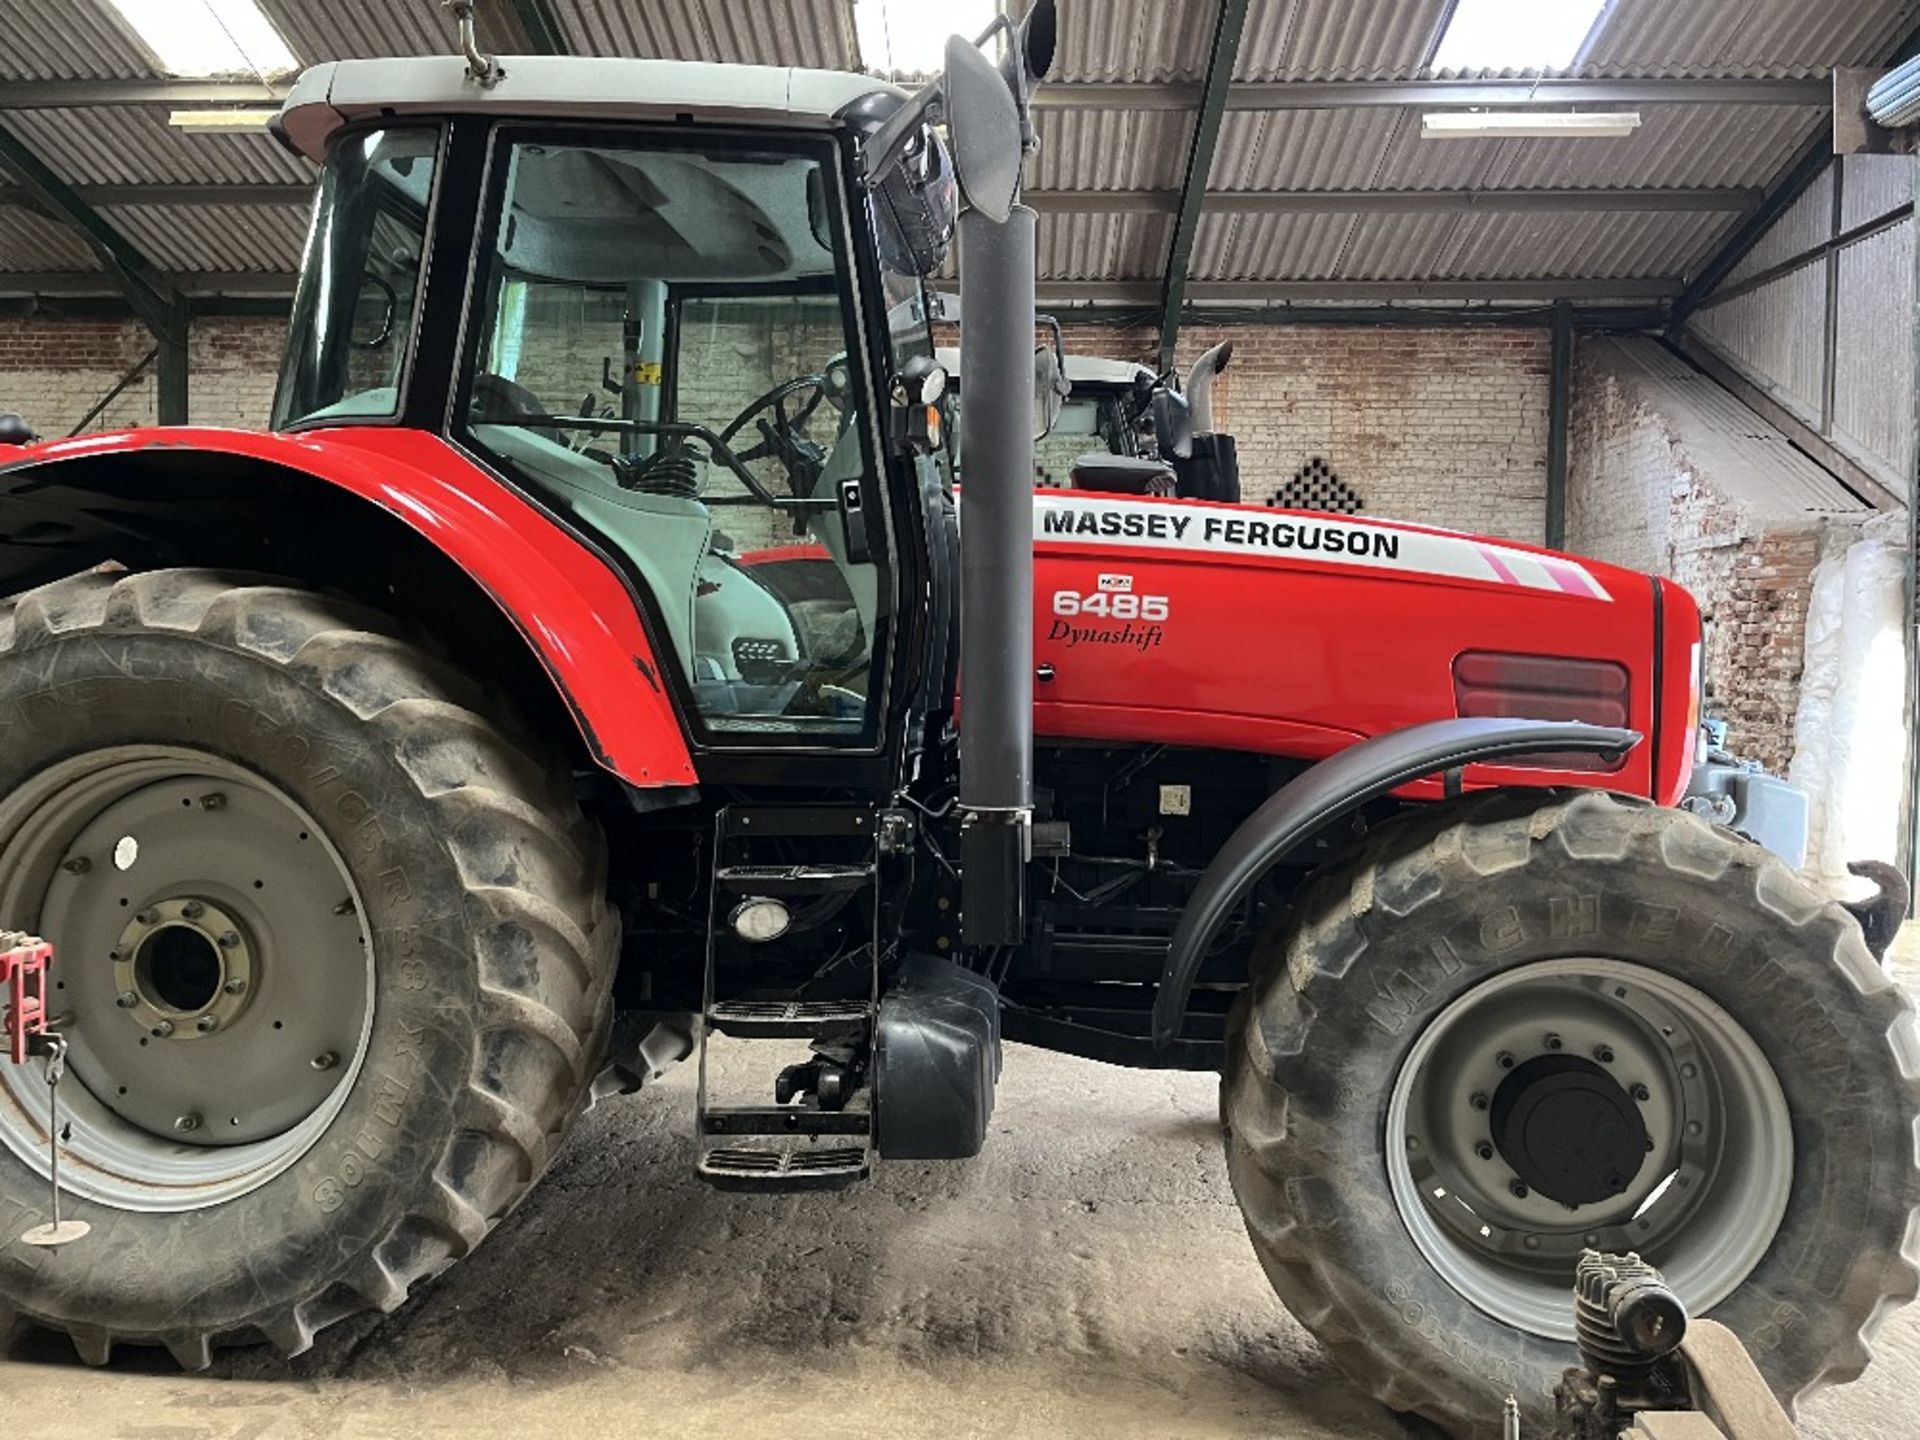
column 1141, row 41
column 1111, row 149
column 1269, row 247
column 242, row 239
column 29, row 242
column 817, row 34
column 1750, row 462
column 1104, row 247
column 1339, row 39
column 1754, row 38
column 124, row 145
column 1302, row 149
column 1133, row 40
column 71, row 40
column 1530, row 246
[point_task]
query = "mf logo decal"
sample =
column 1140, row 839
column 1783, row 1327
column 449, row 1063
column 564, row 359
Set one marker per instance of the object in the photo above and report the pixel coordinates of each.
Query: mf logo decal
column 1116, row 583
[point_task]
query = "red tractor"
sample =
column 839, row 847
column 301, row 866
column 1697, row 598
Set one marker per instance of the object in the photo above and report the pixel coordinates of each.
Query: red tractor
column 394, row 781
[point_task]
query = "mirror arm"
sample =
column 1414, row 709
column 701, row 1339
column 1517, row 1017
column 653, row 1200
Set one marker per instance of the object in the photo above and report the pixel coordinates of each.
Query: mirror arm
column 926, row 106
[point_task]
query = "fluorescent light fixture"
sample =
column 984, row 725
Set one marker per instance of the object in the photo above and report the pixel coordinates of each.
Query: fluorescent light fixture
column 909, row 37
column 1521, row 124
column 215, row 121
column 1515, row 35
column 209, row 37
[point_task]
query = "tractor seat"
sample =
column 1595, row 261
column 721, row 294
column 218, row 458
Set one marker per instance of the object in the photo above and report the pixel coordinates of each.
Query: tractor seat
column 1122, row 475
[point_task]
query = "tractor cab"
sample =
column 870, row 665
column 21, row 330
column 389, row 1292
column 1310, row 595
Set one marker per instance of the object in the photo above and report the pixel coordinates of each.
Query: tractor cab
column 668, row 336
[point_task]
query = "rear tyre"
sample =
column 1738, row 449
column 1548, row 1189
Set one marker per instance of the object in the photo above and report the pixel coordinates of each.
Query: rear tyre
column 1490, row 978
column 331, row 949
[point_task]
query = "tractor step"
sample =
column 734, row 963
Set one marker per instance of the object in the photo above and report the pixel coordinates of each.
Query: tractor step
column 735, row 1167
column 788, row 1019
column 794, row 879
column 783, row 1120
column 818, row 1132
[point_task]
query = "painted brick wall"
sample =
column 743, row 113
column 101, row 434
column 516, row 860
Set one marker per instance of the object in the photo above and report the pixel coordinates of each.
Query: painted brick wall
column 1637, row 498
column 53, row 371
column 1441, row 426
column 1444, row 427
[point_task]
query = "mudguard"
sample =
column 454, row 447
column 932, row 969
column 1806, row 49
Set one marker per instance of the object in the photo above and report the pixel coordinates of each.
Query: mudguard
column 1329, row 790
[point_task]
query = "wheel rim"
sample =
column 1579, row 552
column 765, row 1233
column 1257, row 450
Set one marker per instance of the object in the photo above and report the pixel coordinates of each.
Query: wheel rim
column 212, row 975
column 1640, row 1066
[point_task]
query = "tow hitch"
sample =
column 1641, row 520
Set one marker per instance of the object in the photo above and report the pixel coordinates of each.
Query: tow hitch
column 24, row 961
column 1647, row 1372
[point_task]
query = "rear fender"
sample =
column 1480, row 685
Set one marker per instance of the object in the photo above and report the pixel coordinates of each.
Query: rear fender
column 245, row 499
column 1333, row 788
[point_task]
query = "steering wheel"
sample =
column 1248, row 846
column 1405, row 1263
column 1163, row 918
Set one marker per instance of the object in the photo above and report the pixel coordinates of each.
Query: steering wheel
column 780, row 437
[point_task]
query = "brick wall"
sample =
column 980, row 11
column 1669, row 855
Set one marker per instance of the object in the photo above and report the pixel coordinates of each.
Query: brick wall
column 1637, row 497
column 53, row 371
column 1444, row 426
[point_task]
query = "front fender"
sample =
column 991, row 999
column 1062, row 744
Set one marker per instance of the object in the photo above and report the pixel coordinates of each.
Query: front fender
column 1329, row 790
column 570, row 607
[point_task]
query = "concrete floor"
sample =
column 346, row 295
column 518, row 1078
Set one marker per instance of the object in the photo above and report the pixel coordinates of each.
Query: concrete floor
column 1086, row 1276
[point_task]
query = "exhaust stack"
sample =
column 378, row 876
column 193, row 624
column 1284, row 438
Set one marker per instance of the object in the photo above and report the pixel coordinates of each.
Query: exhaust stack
column 1200, row 385
column 996, row 575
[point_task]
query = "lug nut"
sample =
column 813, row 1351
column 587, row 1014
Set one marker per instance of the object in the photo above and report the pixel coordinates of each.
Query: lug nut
column 192, row 910
column 1483, row 1150
column 1503, row 1060
column 345, row 907
column 207, row 1024
column 325, row 1060
column 126, row 999
column 78, row 865
column 1640, row 1092
column 1688, row 1071
column 187, row 1124
column 1517, row 1190
column 1603, row 1053
column 1478, row 1099
column 1532, row 1242
column 162, row 1029
column 1552, row 1041
column 229, row 940
column 235, row 986
column 215, row 801
column 146, row 917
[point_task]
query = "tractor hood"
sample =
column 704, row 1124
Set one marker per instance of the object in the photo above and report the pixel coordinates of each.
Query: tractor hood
column 1296, row 634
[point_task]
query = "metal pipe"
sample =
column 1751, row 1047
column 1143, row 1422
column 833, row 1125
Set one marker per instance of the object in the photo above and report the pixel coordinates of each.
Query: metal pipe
column 996, row 574
column 1200, row 385
column 1894, row 100
column 482, row 67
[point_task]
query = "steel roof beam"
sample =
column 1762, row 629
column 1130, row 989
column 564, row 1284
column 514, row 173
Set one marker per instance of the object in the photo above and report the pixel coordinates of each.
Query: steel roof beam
column 146, row 289
column 59, row 283
column 111, row 195
column 1193, row 188
column 71, row 94
column 1146, row 293
column 1477, row 94
column 1391, row 202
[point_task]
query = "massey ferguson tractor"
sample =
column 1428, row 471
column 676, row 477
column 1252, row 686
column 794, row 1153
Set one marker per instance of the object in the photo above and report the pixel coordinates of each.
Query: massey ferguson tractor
column 392, row 783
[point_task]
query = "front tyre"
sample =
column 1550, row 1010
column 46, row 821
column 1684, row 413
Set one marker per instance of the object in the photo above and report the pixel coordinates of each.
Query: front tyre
column 1524, row 1024
column 330, row 950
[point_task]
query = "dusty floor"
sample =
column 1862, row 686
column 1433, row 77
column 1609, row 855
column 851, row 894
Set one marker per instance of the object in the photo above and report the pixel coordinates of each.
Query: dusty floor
column 1087, row 1276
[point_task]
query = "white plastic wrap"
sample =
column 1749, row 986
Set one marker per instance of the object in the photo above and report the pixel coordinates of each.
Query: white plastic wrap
column 1849, row 735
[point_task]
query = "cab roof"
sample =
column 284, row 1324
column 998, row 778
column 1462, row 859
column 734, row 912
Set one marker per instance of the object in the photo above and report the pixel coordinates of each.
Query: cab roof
column 331, row 95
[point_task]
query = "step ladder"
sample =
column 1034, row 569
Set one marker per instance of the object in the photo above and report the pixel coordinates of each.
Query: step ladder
column 801, row 1144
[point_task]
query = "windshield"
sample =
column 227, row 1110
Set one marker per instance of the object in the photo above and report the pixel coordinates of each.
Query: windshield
column 1092, row 421
column 666, row 352
column 352, row 322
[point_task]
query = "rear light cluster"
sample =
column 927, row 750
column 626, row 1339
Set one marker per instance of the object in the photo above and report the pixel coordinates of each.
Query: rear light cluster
column 1544, row 687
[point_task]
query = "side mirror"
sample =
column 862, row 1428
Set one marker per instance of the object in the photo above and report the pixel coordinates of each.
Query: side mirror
column 1050, row 384
column 983, row 121
column 1172, row 425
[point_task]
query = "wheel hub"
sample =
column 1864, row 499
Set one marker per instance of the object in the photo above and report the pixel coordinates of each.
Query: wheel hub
column 183, row 969
column 1568, row 1129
